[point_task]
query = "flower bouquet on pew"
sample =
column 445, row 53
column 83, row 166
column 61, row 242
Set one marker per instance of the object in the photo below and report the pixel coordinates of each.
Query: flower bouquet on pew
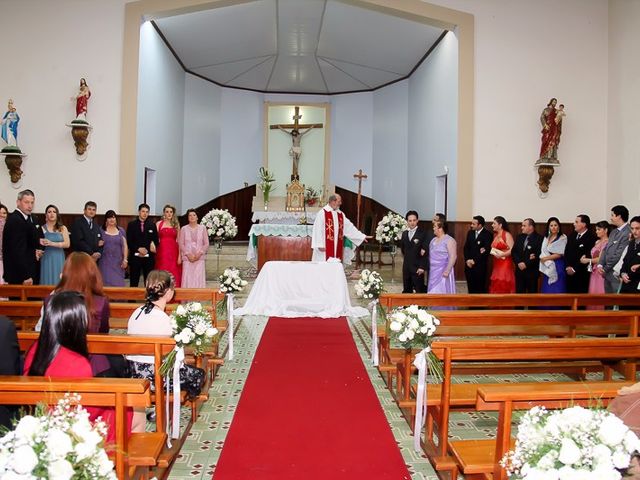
column 574, row 443
column 414, row 327
column 230, row 282
column 390, row 228
column 57, row 443
column 192, row 327
column 370, row 286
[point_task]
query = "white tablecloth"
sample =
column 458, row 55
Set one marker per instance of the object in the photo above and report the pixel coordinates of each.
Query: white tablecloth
column 282, row 218
column 301, row 289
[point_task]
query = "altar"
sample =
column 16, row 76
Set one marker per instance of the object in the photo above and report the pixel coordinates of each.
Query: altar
column 270, row 241
column 301, row 289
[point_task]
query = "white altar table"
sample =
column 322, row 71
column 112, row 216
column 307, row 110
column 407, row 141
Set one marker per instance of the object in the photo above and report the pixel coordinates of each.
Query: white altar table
column 301, row 289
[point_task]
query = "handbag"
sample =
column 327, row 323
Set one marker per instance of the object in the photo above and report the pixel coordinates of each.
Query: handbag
column 191, row 378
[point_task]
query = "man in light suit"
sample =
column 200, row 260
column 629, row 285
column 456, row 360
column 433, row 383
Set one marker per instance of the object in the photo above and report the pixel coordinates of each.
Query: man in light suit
column 85, row 233
column 611, row 254
column 476, row 255
column 21, row 248
column 579, row 244
column 414, row 247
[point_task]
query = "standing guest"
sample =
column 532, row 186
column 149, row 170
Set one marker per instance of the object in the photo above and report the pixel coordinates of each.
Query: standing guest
column 630, row 271
column 502, row 278
column 9, row 364
column 4, row 213
column 579, row 244
column 413, row 245
column 21, row 248
column 596, row 280
column 61, row 350
column 56, row 239
column 552, row 266
column 477, row 248
column 85, row 233
column 526, row 255
column 168, row 255
column 115, row 253
column 194, row 244
column 612, row 253
column 142, row 240
column 442, row 258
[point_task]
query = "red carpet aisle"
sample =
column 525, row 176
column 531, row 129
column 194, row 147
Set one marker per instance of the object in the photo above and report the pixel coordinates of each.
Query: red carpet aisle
column 308, row 411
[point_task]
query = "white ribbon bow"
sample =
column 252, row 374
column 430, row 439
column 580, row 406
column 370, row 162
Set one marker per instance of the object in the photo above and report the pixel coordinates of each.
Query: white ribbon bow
column 422, row 365
column 230, row 324
column 374, row 332
column 173, row 423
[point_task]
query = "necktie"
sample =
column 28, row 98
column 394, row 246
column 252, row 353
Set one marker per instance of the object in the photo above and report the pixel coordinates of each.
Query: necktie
column 526, row 242
column 142, row 227
column 90, row 224
column 411, row 232
column 578, row 237
column 477, row 233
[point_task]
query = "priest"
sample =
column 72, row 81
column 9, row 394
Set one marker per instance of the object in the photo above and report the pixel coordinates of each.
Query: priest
column 334, row 236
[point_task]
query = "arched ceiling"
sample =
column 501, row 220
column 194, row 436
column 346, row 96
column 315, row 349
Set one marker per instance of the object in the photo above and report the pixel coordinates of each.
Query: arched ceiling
column 298, row 46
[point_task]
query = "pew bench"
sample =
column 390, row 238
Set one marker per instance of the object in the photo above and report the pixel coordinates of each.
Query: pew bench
column 137, row 450
column 447, row 396
column 481, row 458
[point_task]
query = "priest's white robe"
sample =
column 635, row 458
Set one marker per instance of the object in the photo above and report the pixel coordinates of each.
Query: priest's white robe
column 318, row 239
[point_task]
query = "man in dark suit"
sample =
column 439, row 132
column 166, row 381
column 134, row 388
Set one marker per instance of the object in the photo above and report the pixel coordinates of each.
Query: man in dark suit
column 526, row 257
column 9, row 364
column 630, row 271
column 142, row 239
column 579, row 244
column 85, row 233
column 477, row 247
column 414, row 249
column 21, row 248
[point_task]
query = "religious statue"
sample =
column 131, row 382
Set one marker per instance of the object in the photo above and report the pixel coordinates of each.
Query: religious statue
column 551, row 120
column 10, row 122
column 82, row 100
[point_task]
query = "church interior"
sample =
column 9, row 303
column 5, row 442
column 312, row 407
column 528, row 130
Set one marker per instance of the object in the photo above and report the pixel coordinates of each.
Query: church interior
column 386, row 107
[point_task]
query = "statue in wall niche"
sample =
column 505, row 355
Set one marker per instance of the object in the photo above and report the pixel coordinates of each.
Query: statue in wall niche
column 12, row 153
column 80, row 126
column 551, row 120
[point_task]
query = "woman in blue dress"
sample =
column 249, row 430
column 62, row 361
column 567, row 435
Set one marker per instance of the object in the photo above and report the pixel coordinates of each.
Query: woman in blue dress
column 552, row 265
column 56, row 239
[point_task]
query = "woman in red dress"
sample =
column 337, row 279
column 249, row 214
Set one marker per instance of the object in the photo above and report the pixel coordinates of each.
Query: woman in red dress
column 503, row 278
column 167, row 254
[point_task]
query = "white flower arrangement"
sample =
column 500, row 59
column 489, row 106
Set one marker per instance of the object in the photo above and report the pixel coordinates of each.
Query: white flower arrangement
column 220, row 224
column 57, row 444
column 390, row 228
column 231, row 281
column 192, row 327
column 412, row 326
column 369, row 285
column 574, row 443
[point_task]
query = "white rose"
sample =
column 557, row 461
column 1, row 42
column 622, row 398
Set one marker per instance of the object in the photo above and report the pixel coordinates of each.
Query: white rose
column 59, row 443
column 395, row 326
column 569, row 452
column 196, row 307
column 413, row 309
column 24, row 460
column 612, row 430
column 413, row 324
column 621, row 459
column 211, row 331
column 60, row 470
column 28, row 427
column 631, row 441
column 105, row 465
column 201, row 329
column 410, row 334
column 400, row 316
column 423, row 316
column 181, row 310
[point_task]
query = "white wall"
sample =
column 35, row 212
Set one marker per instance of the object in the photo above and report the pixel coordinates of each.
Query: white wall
column 53, row 45
column 241, row 138
column 623, row 166
column 433, row 128
column 390, row 142
column 161, row 98
column 201, row 150
column 526, row 53
column 352, row 140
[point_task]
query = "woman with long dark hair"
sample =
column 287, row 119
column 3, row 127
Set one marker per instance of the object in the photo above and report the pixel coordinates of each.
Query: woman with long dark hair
column 552, row 265
column 503, row 279
column 55, row 240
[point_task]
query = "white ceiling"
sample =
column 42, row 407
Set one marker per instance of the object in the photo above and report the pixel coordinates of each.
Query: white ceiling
column 298, row 46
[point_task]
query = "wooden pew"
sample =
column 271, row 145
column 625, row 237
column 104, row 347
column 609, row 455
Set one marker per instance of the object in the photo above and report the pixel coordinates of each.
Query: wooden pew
column 137, row 450
column 119, row 294
column 511, row 323
column 481, row 458
column 442, row 398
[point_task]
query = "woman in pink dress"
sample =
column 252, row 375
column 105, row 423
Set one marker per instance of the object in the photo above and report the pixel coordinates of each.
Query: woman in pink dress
column 194, row 244
column 168, row 252
column 596, row 281
column 503, row 278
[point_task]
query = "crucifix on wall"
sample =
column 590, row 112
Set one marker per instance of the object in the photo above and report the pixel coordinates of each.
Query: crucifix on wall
column 360, row 176
column 296, row 136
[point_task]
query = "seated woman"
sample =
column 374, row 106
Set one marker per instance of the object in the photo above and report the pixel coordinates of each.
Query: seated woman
column 9, row 364
column 61, row 350
column 151, row 319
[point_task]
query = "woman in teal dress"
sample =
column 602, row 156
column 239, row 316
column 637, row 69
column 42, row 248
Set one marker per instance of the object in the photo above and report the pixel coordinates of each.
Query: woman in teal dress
column 56, row 239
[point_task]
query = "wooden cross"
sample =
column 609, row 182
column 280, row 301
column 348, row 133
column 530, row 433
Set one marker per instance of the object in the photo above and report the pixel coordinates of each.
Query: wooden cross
column 295, row 125
column 359, row 176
